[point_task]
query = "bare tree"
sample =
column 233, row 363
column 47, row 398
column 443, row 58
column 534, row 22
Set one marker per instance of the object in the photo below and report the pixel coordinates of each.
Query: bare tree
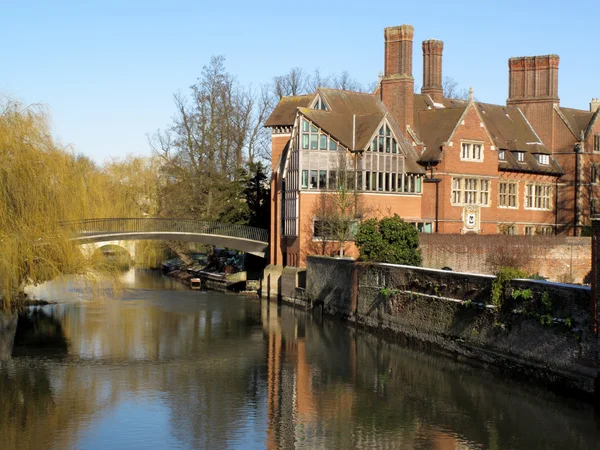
column 291, row 83
column 215, row 132
column 452, row 90
column 316, row 80
column 345, row 82
column 338, row 209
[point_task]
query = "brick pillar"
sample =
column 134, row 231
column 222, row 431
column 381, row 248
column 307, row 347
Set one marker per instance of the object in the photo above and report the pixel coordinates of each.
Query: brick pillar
column 595, row 303
column 595, row 306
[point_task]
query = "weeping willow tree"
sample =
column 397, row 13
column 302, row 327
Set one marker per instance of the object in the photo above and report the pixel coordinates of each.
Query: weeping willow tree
column 43, row 185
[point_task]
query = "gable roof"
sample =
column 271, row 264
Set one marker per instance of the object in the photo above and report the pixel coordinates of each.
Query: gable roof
column 509, row 129
column 435, row 128
column 577, row 120
column 340, row 125
column 285, row 111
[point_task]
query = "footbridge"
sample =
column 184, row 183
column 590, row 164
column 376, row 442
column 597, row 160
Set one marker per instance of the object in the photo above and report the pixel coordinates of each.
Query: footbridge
column 239, row 237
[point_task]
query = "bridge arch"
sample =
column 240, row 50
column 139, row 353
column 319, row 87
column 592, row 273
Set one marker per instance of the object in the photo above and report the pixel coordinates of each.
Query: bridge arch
column 239, row 237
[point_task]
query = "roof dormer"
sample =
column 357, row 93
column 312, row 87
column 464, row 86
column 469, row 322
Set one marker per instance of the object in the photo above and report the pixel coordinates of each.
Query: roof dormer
column 319, row 103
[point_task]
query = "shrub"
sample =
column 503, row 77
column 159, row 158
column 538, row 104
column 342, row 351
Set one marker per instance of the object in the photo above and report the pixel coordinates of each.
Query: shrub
column 389, row 240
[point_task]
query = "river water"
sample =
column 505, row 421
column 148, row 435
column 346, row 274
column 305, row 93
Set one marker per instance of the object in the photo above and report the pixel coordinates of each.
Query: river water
column 168, row 368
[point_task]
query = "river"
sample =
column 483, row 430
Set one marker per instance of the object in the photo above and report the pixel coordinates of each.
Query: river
column 168, row 368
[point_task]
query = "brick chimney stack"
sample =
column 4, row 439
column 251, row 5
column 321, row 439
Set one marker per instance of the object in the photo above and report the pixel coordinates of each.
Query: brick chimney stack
column 595, row 105
column 397, row 86
column 533, row 87
column 432, row 69
column 533, row 78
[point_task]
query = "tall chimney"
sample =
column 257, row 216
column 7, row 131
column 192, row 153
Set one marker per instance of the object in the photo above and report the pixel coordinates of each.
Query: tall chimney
column 397, row 86
column 533, row 87
column 595, row 105
column 432, row 69
column 533, row 78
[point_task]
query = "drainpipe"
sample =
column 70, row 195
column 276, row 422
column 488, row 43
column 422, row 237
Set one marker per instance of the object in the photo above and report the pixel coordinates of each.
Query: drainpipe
column 576, row 190
column 556, row 207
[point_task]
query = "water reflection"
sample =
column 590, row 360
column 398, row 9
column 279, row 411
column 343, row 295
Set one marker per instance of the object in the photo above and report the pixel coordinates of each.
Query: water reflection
column 166, row 368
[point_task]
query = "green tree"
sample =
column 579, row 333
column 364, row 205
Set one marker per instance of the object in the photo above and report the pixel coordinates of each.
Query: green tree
column 389, row 240
column 257, row 193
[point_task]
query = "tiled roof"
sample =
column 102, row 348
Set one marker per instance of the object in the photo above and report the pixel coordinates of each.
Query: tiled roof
column 529, row 165
column 509, row 129
column 285, row 111
column 340, row 125
column 369, row 112
column 578, row 120
column 436, row 126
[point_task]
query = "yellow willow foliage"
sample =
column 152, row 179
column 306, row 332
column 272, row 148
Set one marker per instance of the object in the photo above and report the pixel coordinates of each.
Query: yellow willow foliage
column 42, row 185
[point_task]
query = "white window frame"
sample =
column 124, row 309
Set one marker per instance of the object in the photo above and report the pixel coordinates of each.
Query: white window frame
column 542, row 159
column 507, row 195
column 502, row 155
column 519, row 156
column 467, row 190
column 468, row 151
column 538, row 196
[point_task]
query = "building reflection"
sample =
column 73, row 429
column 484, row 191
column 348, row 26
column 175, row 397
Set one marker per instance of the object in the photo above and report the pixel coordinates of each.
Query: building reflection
column 330, row 386
column 230, row 371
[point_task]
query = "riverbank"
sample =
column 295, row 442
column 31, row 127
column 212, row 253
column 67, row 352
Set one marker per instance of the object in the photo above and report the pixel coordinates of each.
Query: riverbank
column 536, row 330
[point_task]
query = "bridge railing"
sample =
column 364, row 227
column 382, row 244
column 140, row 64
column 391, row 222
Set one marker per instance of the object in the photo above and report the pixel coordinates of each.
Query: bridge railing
column 88, row 227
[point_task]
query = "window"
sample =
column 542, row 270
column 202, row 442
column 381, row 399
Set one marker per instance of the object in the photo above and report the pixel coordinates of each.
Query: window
column 507, row 194
column 470, row 191
column 332, row 229
column 383, row 142
column 323, row 142
column 322, row 179
column 507, row 228
column 597, row 143
column 594, row 173
column 542, row 159
column 471, row 152
column 519, row 156
column 424, row 227
column 412, row 183
column 501, row 155
column 593, row 206
column 538, row 196
column 314, row 139
column 332, row 179
column 546, row 230
column 320, row 104
column 305, row 179
column 313, row 179
column 529, row 230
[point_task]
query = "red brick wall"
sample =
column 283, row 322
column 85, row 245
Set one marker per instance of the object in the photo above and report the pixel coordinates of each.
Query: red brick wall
column 559, row 258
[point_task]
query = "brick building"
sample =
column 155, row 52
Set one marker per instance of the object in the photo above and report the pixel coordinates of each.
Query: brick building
column 446, row 165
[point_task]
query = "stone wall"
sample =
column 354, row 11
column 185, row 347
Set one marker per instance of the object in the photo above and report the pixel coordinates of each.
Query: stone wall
column 540, row 329
column 558, row 258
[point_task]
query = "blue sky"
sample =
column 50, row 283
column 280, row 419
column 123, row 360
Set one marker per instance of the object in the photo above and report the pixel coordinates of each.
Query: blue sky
column 107, row 70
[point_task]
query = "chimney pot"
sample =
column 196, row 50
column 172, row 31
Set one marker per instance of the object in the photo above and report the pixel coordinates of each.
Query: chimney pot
column 595, row 105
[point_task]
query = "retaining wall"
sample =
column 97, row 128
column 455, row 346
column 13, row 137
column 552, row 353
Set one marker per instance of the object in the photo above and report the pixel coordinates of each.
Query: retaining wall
column 540, row 329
